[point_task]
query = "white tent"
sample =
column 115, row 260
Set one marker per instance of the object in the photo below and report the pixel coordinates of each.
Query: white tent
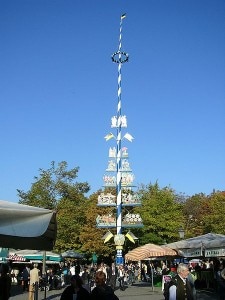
column 210, row 244
column 26, row 227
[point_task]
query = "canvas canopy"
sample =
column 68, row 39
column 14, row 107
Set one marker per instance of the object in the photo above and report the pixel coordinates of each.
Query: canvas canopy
column 34, row 255
column 149, row 250
column 210, row 244
column 15, row 257
column 26, row 227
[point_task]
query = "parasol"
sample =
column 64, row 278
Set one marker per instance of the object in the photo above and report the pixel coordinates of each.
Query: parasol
column 149, row 250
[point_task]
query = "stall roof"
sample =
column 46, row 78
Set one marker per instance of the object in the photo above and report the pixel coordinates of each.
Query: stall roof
column 36, row 255
column 26, row 227
column 208, row 241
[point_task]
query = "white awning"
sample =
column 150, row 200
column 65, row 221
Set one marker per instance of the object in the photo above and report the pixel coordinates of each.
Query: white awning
column 211, row 244
column 26, row 227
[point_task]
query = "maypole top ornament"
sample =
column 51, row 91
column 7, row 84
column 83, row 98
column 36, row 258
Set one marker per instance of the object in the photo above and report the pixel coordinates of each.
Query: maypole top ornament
column 120, row 57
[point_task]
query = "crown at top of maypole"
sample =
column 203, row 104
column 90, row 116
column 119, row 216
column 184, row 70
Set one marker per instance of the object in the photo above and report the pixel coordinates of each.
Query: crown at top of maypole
column 120, row 57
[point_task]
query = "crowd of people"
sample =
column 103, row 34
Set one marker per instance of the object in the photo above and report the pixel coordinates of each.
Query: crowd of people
column 100, row 281
column 101, row 291
column 120, row 275
column 68, row 276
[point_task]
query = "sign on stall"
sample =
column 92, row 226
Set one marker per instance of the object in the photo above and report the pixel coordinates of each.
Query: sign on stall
column 214, row 252
column 192, row 252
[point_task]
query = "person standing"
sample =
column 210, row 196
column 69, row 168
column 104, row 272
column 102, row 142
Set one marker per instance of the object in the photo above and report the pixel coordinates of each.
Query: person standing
column 5, row 282
column 191, row 279
column 75, row 290
column 14, row 275
column 26, row 277
column 85, row 276
column 180, row 288
column 66, row 273
column 112, row 275
column 121, row 275
column 72, row 270
column 220, row 279
column 143, row 272
column 102, row 291
column 77, row 268
column 34, row 281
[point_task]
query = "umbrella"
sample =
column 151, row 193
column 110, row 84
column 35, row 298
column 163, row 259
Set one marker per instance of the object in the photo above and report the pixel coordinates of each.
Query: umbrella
column 149, row 250
column 72, row 254
column 26, row 227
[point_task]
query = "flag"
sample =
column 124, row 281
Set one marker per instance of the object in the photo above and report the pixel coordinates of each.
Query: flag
column 109, row 136
column 131, row 237
column 123, row 16
column 128, row 137
column 107, row 236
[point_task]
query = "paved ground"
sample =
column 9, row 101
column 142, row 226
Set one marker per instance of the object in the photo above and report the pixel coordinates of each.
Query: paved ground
column 139, row 291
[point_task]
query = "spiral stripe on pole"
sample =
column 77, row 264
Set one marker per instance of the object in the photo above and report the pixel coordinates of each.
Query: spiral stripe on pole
column 118, row 152
column 119, row 57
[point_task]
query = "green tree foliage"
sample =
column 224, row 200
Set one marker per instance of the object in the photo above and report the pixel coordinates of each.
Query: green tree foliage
column 90, row 236
column 52, row 185
column 214, row 213
column 194, row 212
column 70, row 220
column 55, row 189
column 161, row 212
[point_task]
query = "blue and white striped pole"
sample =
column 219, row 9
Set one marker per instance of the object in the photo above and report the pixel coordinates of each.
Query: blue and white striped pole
column 119, row 57
column 118, row 142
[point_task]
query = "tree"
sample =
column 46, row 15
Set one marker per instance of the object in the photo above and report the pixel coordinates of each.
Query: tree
column 90, row 236
column 55, row 189
column 194, row 213
column 214, row 213
column 52, row 185
column 70, row 221
column 161, row 212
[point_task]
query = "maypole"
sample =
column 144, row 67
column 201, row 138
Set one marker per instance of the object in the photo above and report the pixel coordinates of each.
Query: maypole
column 119, row 57
column 118, row 139
column 123, row 181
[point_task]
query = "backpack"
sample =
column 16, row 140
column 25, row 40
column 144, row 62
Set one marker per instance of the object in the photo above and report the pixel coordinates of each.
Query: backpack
column 167, row 285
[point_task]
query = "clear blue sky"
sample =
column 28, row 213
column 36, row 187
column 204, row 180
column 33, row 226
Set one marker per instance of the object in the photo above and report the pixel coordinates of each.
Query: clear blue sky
column 58, row 90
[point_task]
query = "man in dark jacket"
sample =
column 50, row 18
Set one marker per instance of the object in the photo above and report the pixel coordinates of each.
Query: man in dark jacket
column 102, row 291
column 112, row 273
column 180, row 288
column 5, row 282
column 75, row 290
